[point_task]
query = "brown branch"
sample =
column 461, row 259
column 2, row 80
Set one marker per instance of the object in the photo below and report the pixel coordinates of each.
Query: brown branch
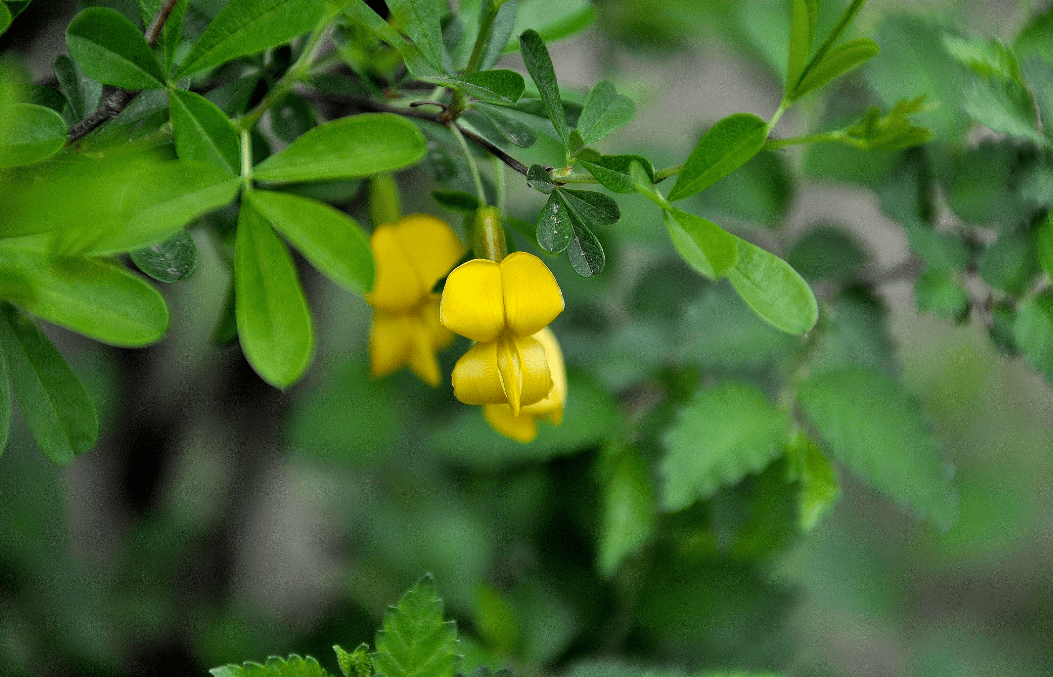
column 115, row 99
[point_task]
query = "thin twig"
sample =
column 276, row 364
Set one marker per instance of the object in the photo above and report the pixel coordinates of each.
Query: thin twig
column 115, row 99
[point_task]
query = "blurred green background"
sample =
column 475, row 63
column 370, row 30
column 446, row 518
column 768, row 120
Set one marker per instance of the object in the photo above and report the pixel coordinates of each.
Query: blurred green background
column 219, row 520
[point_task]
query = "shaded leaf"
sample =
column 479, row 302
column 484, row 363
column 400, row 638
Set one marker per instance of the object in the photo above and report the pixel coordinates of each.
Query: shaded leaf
column 328, row 238
column 419, row 19
column 351, row 147
column 540, row 180
column 817, row 476
column 456, row 200
column 878, row 430
column 773, row 289
column 274, row 322
column 510, row 128
column 497, row 85
column 539, row 65
column 1033, row 331
column 613, row 171
column 81, row 92
column 836, row 63
column 939, row 292
column 555, row 225
column 56, row 407
column 604, row 111
column 724, row 148
column 585, row 252
column 292, row 117
column 720, row 436
column 109, row 48
column 593, row 209
column 628, row 511
column 172, row 260
column 293, row 666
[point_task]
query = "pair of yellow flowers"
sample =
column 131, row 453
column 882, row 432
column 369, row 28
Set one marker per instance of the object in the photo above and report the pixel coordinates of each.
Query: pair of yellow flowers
column 515, row 369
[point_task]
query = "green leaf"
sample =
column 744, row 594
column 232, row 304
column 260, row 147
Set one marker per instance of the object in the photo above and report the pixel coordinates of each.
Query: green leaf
column 111, row 49
column 941, row 250
column 604, row 111
column 612, row 171
column 5, row 22
column 628, row 512
column 555, row 225
column 245, row 27
column 1004, row 106
column 416, row 62
column 803, row 17
column 419, row 19
column 1010, row 263
column 1045, row 244
column 817, row 476
column 292, row 117
column 293, row 666
column 354, row 664
column 774, row 290
column 720, row 436
column 203, row 132
column 56, row 407
column 585, row 252
column 171, row 260
column 328, row 238
column 827, row 253
column 552, row 20
column 162, row 220
column 274, row 322
column 510, row 128
column 351, row 147
column 593, row 209
column 82, row 93
column 415, row 641
column 836, row 63
column 1033, row 331
column 30, row 133
column 540, row 180
column 939, row 292
column 724, row 148
column 870, row 423
column 499, row 85
column 95, row 297
column 710, row 249
column 539, row 65
column 913, row 45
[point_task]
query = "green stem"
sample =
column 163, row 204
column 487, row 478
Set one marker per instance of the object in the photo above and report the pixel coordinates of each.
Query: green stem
column 784, row 105
column 297, row 72
column 485, row 25
column 472, row 167
column 246, row 159
column 667, row 172
column 837, row 135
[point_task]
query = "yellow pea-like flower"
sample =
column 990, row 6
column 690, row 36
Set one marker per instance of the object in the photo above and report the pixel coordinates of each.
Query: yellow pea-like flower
column 515, row 369
column 411, row 254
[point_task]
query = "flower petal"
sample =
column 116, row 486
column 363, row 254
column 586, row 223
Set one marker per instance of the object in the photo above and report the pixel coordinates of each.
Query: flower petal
column 551, row 407
column 422, row 354
column 439, row 336
column 431, row 247
column 532, row 298
column 390, row 342
column 524, row 371
column 472, row 303
column 475, row 377
column 522, row 428
column 397, row 288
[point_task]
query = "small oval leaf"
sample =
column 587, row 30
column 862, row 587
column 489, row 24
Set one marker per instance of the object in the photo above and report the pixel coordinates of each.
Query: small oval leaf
column 500, row 85
column 773, row 290
column 724, row 148
column 539, row 65
column 274, row 322
column 169, row 261
column 585, row 252
column 604, row 111
column 110, row 49
column 555, row 226
column 709, row 249
column 351, row 147
column 30, row 134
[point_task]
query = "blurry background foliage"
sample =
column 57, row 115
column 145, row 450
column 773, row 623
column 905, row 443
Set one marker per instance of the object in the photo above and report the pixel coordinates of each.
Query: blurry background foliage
column 716, row 500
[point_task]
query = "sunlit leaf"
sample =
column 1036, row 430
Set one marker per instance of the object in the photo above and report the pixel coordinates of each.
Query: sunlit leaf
column 724, row 148
column 773, row 289
column 203, row 132
column 710, row 249
column 29, row 134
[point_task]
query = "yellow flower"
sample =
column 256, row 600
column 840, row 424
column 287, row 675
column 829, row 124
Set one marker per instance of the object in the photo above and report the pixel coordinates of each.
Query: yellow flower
column 412, row 254
column 515, row 368
column 524, row 427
